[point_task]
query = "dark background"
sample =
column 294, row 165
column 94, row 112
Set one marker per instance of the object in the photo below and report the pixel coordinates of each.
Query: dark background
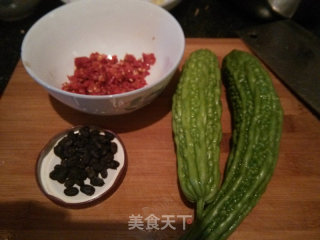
column 198, row 18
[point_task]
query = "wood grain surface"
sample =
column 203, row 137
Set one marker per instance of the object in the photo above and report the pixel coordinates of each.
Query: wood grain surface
column 29, row 117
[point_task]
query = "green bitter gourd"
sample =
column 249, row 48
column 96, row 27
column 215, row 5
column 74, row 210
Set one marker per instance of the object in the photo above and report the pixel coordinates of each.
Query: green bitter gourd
column 196, row 121
column 257, row 123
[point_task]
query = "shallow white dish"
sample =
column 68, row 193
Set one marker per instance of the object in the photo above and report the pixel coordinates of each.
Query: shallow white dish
column 54, row 190
column 167, row 4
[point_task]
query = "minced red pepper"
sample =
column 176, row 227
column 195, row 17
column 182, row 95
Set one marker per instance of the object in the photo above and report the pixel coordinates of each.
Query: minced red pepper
column 99, row 74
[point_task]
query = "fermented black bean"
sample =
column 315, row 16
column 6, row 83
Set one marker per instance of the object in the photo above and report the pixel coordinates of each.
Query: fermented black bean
column 85, row 154
column 87, row 189
column 71, row 191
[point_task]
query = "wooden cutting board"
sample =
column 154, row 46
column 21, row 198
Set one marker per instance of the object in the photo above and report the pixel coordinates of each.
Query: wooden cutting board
column 29, row 117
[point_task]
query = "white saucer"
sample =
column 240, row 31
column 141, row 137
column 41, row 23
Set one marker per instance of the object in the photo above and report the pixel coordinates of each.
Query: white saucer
column 54, row 190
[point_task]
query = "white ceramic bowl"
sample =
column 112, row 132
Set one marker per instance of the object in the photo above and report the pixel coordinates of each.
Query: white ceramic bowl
column 113, row 27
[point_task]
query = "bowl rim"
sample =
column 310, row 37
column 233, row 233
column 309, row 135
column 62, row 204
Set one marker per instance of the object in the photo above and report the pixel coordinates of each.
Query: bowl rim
column 169, row 4
column 90, row 202
column 173, row 68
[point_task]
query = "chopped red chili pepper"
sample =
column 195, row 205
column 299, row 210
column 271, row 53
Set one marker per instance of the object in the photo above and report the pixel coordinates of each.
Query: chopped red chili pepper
column 99, row 74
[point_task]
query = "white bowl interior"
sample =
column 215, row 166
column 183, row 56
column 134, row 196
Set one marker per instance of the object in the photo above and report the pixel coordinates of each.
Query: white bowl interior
column 114, row 27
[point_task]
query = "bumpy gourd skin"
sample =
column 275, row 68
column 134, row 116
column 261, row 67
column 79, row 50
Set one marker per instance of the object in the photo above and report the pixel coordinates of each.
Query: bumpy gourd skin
column 196, row 121
column 257, row 123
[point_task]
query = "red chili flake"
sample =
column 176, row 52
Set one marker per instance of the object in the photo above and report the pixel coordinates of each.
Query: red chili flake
column 99, row 74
